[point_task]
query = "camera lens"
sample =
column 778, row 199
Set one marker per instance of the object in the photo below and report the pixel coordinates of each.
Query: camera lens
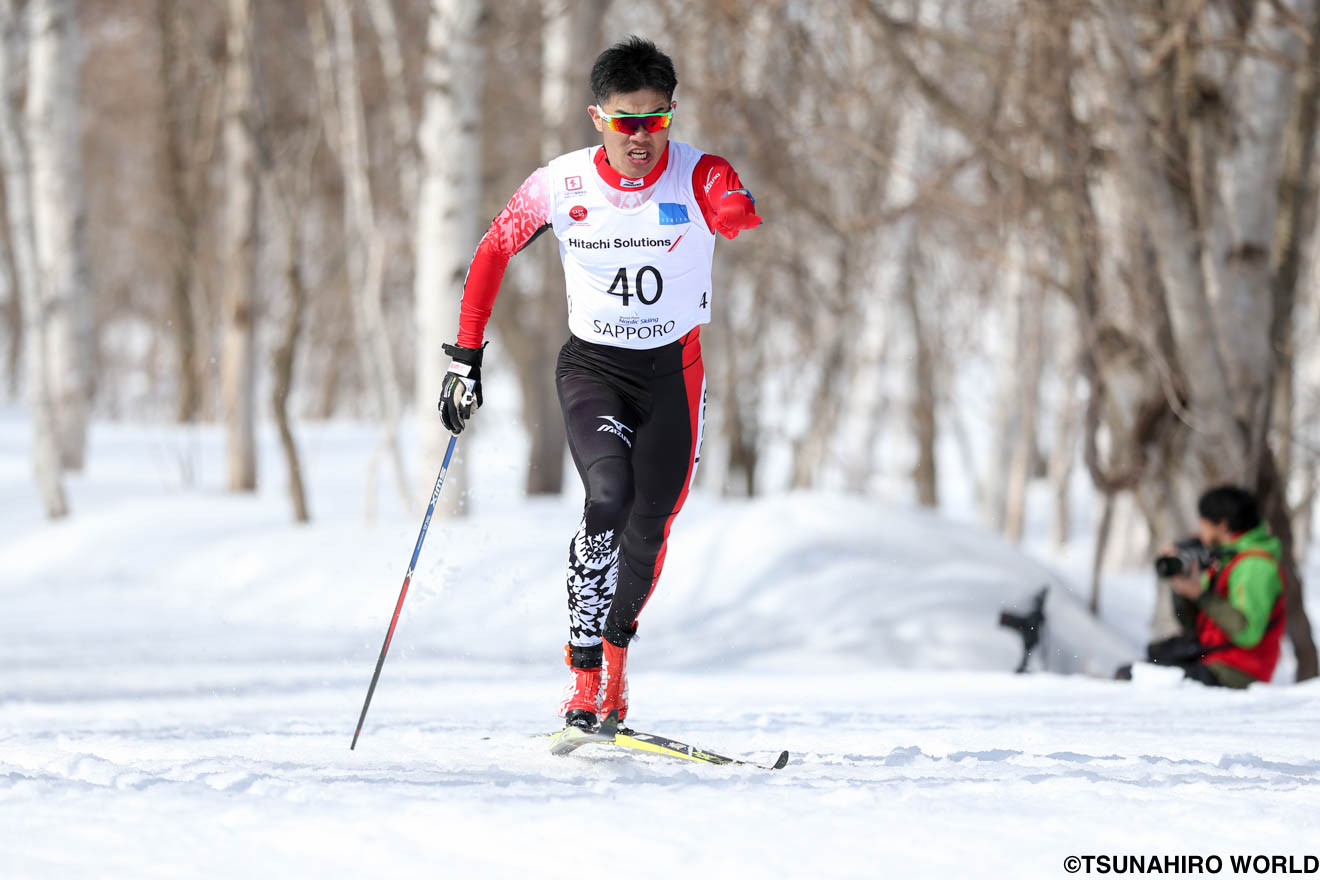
column 1169, row 566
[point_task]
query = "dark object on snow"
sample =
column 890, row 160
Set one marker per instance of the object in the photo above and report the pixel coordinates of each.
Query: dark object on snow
column 1189, row 555
column 1027, row 625
column 1175, row 651
column 1184, row 652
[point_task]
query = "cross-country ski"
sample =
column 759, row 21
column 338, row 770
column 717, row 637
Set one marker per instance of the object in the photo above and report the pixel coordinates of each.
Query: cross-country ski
column 609, row 733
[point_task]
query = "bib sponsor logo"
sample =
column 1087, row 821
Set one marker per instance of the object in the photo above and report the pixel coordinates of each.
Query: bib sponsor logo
column 673, row 214
column 607, row 243
column 648, row 328
column 574, row 184
column 578, row 213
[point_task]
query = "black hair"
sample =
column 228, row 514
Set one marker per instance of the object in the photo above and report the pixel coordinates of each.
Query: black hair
column 1230, row 504
column 630, row 66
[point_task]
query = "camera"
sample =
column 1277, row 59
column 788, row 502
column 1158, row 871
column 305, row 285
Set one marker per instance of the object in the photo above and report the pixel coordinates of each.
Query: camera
column 1189, row 555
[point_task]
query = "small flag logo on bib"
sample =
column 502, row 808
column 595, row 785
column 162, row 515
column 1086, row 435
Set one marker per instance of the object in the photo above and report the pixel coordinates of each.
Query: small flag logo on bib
column 673, row 214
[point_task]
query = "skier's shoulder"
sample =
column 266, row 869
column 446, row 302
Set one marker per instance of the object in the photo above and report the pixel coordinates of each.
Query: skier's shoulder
column 582, row 157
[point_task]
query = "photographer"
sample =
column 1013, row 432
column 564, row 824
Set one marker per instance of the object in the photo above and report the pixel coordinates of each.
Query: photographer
column 1228, row 595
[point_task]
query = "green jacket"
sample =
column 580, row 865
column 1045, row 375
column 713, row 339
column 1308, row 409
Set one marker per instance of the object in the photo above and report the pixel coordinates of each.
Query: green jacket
column 1253, row 588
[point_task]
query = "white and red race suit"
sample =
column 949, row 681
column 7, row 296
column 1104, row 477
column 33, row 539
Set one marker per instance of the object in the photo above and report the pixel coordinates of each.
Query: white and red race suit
column 631, row 383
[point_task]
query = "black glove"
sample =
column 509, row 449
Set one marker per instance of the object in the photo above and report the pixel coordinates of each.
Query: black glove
column 460, row 392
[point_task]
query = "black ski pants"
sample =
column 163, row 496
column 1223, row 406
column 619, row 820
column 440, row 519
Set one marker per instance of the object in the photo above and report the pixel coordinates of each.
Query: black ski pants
column 634, row 421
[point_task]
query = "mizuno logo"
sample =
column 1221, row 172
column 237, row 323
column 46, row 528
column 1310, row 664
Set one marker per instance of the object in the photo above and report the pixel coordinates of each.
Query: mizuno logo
column 615, row 427
column 712, row 176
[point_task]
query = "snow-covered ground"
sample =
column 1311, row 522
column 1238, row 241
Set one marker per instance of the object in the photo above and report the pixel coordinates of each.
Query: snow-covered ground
column 183, row 669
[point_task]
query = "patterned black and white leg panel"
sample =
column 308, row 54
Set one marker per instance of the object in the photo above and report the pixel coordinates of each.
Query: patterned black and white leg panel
column 593, row 572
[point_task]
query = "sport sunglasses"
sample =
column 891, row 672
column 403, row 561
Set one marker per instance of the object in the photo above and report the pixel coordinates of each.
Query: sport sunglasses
column 629, row 123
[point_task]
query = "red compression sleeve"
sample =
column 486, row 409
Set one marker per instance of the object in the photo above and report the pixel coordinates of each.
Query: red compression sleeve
column 522, row 218
column 712, row 178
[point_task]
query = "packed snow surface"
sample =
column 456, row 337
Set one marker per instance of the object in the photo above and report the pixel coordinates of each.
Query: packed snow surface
column 183, row 670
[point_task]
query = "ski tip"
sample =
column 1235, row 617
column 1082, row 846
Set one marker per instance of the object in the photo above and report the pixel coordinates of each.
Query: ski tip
column 781, row 762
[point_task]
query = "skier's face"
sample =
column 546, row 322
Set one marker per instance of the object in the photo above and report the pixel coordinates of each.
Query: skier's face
column 633, row 153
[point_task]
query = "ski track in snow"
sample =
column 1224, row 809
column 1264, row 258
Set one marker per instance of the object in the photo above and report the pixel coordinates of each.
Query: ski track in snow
column 182, row 671
column 925, row 772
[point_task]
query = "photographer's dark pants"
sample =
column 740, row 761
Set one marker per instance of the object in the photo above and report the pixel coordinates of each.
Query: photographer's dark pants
column 1182, row 651
column 634, row 422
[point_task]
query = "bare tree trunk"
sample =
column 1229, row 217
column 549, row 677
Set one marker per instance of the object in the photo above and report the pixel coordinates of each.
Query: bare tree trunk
column 13, row 313
column 740, row 428
column 1063, row 451
column 331, row 386
column 826, row 404
column 571, row 33
column 22, row 237
column 283, row 361
column 1176, row 243
column 824, row 408
column 365, row 242
column 290, row 190
column 448, row 225
column 1022, row 462
column 182, row 199
column 59, row 217
column 1102, row 533
column 1274, row 503
column 1303, row 512
column 238, row 255
column 924, row 396
column 1008, row 416
column 1247, row 171
column 736, row 383
column 1294, row 225
column 402, row 125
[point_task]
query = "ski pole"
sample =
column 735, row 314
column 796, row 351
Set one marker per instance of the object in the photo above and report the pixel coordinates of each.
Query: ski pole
column 407, row 578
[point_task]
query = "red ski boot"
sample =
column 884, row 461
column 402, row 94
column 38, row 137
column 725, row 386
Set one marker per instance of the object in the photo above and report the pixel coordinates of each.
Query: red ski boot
column 614, row 681
column 582, row 694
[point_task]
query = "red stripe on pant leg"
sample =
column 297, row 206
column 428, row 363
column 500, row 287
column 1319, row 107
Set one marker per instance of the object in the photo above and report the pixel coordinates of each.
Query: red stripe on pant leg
column 694, row 378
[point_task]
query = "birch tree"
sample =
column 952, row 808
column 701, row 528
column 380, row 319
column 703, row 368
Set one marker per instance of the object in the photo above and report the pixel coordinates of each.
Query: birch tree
column 238, row 254
column 59, row 218
column 27, row 279
column 288, row 179
column 403, row 127
column 191, row 109
column 340, row 83
column 1295, row 226
column 1212, row 240
column 13, row 318
column 570, row 37
column 531, row 325
column 448, row 225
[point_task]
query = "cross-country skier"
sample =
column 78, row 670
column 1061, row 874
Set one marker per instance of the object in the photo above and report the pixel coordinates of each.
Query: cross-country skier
column 636, row 219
